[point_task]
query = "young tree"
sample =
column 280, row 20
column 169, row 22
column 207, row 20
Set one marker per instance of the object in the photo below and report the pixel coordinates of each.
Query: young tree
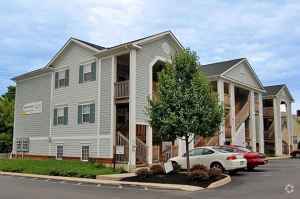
column 185, row 104
column 7, row 102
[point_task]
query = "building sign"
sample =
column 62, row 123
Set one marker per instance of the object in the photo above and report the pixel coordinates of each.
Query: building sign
column 34, row 107
column 168, row 167
column 120, row 149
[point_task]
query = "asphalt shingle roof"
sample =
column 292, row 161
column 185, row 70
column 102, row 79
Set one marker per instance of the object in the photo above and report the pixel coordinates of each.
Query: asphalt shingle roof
column 91, row 44
column 273, row 90
column 219, row 67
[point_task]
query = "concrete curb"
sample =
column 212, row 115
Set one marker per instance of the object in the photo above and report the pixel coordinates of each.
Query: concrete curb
column 278, row 158
column 220, row 183
column 120, row 183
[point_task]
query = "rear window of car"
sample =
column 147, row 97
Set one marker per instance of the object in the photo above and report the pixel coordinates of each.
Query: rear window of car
column 222, row 150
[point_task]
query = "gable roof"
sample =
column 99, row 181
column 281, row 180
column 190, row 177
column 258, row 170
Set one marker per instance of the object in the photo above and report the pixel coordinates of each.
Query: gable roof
column 91, row 44
column 98, row 49
column 218, row 68
column 273, row 90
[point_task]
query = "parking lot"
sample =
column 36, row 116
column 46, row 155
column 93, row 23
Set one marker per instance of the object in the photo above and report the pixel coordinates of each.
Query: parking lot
column 278, row 179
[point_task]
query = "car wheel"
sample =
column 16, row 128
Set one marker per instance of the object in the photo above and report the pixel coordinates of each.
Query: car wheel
column 174, row 164
column 217, row 166
column 250, row 168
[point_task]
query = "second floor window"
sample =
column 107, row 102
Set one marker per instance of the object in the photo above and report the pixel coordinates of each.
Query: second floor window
column 60, row 116
column 86, row 113
column 62, row 79
column 87, row 72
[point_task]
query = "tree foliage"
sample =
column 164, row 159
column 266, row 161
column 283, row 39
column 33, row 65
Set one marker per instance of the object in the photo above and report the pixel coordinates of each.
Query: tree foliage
column 7, row 102
column 185, row 105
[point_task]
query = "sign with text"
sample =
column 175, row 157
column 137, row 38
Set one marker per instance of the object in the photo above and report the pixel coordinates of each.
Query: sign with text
column 168, row 167
column 120, row 149
column 34, row 107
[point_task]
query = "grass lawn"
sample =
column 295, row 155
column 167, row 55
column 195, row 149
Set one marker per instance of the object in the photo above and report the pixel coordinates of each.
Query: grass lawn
column 56, row 168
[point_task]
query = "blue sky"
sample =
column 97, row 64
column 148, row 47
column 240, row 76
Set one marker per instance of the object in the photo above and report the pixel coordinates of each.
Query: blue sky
column 266, row 32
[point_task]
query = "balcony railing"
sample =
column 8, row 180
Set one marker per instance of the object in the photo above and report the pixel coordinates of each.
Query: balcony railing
column 122, row 89
column 268, row 111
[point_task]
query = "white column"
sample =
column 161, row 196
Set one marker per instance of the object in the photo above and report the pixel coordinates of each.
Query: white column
column 132, row 109
column 252, row 123
column 220, row 85
column 261, row 124
column 232, row 112
column 289, row 124
column 149, row 144
column 277, row 127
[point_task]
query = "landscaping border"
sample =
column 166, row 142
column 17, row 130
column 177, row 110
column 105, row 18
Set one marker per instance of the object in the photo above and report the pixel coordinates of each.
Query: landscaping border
column 120, row 183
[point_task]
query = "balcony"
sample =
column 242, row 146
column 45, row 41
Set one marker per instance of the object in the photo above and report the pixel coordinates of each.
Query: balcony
column 268, row 112
column 122, row 90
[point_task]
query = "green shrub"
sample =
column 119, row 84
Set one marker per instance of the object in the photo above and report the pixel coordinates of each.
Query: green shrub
column 199, row 167
column 157, row 169
column 215, row 173
column 199, row 175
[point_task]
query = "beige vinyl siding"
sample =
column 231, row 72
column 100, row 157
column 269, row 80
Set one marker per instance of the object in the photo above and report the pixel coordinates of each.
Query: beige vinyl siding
column 72, row 147
column 75, row 93
column 106, row 96
column 144, row 57
column 39, row 147
column 28, row 91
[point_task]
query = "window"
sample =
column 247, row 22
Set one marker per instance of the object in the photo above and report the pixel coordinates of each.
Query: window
column 22, row 144
column 19, row 145
column 85, row 153
column 207, row 152
column 59, row 152
column 62, row 79
column 60, row 116
column 86, row 113
column 87, row 72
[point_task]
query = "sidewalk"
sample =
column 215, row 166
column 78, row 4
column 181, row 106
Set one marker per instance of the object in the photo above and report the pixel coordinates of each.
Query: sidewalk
column 118, row 183
column 279, row 157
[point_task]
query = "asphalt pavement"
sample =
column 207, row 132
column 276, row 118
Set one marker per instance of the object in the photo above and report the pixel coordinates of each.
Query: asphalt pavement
column 279, row 179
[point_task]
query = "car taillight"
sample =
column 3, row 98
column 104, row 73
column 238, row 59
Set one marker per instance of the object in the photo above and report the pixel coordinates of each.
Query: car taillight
column 232, row 157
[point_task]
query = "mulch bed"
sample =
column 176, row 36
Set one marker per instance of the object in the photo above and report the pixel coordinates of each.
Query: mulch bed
column 178, row 178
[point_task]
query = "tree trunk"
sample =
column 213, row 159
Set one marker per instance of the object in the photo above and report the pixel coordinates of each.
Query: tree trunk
column 187, row 153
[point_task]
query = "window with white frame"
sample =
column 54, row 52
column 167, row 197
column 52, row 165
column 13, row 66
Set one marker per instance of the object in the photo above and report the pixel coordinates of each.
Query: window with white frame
column 60, row 116
column 62, row 79
column 86, row 113
column 87, row 72
column 22, row 144
column 85, row 152
column 59, row 152
column 19, row 145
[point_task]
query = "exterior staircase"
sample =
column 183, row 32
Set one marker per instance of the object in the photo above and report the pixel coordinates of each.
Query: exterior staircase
column 141, row 149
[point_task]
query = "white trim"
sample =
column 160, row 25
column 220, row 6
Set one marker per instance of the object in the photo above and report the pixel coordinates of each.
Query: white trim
column 113, row 105
column 60, row 68
column 150, row 70
column 151, row 38
column 88, row 61
column 66, row 45
column 251, row 70
column 241, row 84
column 51, row 111
column 59, row 144
column 132, row 111
column 34, row 77
column 38, row 138
column 99, row 101
column 288, row 92
column 82, row 145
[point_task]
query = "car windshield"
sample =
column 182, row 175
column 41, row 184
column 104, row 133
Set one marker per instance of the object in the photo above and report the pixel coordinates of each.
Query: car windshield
column 222, row 150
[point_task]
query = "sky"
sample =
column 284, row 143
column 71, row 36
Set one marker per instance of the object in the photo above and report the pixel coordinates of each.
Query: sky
column 266, row 32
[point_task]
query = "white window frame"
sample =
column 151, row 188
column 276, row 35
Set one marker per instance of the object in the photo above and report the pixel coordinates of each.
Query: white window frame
column 81, row 152
column 61, row 107
column 59, row 145
column 62, row 70
column 85, row 66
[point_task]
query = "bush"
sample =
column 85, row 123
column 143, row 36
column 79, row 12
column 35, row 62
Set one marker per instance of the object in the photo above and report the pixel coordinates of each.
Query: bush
column 199, row 167
column 143, row 172
column 157, row 169
column 214, row 173
column 176, row 168
column 199, row 175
